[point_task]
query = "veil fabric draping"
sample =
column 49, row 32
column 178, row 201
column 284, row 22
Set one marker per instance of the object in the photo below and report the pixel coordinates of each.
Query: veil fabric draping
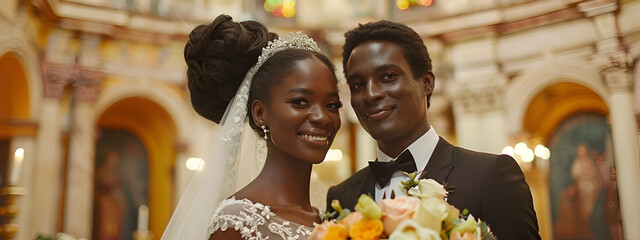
column 235, row 144
column 218, row 177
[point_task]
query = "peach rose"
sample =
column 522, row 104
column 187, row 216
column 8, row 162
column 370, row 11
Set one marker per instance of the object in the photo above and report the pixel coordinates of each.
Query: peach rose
column 351, row 219
column 397, row 209
column 329, row 230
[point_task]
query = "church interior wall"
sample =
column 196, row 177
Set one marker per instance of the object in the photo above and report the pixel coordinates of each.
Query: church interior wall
column 139, row 56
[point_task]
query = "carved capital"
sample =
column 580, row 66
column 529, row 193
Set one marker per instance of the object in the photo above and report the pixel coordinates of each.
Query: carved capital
column 617, row 78
column 478, row 98
column 615, row 69
column 86, row 84
column 55, row 79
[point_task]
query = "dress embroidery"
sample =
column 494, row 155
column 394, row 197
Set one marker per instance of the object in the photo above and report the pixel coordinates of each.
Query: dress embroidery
column 255, row 221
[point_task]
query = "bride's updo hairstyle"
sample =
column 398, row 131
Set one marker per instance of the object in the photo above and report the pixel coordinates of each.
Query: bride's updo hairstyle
column 218, row 56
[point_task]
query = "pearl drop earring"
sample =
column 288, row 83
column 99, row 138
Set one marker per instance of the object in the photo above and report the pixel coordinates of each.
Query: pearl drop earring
column 266, row 132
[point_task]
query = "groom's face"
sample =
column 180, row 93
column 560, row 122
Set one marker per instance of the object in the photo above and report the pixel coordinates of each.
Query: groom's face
column 389, row 101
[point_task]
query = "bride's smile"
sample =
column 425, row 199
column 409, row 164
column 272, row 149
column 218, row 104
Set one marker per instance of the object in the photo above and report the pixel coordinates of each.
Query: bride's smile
column 303, row 113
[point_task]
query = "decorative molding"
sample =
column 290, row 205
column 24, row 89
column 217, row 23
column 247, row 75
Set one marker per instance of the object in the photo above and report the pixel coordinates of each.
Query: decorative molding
column 520, row 16
column 477, row 98
column 596, row 7
column 86, row 85
column 18, row 127
column 113, row 22
column 55, row 78
column 617, row 76
column 85, row 81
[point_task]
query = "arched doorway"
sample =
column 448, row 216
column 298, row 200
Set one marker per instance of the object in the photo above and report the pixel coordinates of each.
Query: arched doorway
column 563, row 116
column 14, row 111
column 137, row 119
column 555, row 103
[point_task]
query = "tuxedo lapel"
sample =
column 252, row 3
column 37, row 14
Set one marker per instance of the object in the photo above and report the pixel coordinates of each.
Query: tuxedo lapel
column 363, row 184
column 367, row 184
column 441, row 162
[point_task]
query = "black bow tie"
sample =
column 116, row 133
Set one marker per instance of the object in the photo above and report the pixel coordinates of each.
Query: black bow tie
column 382, row 171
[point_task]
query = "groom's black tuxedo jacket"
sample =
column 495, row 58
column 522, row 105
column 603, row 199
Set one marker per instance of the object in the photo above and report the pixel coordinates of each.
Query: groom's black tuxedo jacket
column 491, row 187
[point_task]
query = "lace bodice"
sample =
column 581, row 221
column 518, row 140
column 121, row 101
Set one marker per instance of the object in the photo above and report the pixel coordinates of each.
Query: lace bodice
column 255, row 221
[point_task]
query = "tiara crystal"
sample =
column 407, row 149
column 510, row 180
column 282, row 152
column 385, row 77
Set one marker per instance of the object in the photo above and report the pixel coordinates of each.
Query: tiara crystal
column 296, row 40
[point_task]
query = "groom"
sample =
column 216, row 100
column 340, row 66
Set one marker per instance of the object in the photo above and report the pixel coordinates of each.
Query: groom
column 388, row 71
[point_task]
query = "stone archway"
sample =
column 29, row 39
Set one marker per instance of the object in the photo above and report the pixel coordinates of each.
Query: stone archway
column 17, row 130
column 523, row 89
column 15, row 104
column 153, row 126
column 159, row 116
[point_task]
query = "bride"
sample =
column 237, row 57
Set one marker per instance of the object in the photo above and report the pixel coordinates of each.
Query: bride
column 287, row 92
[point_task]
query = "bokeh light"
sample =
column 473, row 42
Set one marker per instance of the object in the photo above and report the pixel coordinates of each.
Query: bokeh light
column 508, row 150
column 195, row 164
column 280, row 8
column 402, row 4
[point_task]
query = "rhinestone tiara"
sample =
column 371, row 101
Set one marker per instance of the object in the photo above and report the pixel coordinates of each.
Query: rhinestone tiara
column 296, row 40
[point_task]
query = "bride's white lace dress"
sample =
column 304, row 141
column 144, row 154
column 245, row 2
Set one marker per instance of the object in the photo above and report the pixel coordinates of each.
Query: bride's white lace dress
column 255, row 221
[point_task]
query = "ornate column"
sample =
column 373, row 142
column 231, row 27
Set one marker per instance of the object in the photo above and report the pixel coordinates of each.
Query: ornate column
column 477, row 94
column 479, row 117
column 48, row 166
column 78, row 210
column 615, row 66
column 625, row 144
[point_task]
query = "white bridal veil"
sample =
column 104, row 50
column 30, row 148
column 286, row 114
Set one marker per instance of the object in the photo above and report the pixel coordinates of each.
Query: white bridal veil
column 234, row 145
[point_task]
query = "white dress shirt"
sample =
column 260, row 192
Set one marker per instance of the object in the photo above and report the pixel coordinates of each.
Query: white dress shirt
column 421, row 149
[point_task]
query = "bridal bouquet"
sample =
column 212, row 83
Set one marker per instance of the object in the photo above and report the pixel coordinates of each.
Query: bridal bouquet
column 424, row 215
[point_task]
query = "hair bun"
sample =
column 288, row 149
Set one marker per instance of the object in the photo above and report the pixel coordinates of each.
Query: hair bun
column 218, row 56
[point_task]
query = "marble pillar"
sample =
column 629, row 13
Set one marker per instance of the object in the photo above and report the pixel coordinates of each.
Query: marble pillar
column 78, row 210
column 480, row 121
column 477, row 95
column 625, row 146
column 48, row 161
column 615, row 67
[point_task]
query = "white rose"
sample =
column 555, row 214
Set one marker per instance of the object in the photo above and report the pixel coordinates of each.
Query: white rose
column 431, row 212
column 410, row 229
column 429, row 188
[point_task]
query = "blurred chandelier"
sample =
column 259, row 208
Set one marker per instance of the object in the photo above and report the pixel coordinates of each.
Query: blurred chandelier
column 280, row 8
column 405, row 4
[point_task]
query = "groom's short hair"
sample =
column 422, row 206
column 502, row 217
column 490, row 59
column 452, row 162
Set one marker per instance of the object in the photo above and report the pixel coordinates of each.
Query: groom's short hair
column 413, row 47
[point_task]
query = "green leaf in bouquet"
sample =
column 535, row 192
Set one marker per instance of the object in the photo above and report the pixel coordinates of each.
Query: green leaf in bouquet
column 339, row 211
column 328, row 216
column 485, row 232
column 412, row 182
column 449, row 189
